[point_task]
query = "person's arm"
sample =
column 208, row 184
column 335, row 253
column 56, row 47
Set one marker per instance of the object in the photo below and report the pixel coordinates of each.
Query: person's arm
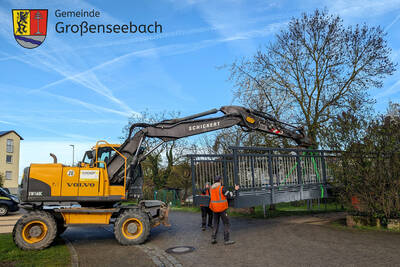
column 206, row 189
column 227, row 193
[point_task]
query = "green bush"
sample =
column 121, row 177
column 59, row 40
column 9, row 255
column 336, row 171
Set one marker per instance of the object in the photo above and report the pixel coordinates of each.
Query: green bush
column 369, row 171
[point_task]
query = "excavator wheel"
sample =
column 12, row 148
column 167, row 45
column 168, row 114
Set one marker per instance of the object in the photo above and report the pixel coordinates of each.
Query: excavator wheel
column 35, row 231
column 60, row 223
column 132, row 228
column 60, row 228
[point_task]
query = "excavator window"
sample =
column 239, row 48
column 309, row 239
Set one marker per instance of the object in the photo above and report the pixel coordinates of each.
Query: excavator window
column 88, row 158
column 104, row 154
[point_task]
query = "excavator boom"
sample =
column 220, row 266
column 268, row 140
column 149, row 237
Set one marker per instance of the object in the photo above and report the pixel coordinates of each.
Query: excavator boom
column 168, row 130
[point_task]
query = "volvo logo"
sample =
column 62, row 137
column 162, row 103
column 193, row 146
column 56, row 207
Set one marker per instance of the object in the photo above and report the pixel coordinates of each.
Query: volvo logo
column 81, row 184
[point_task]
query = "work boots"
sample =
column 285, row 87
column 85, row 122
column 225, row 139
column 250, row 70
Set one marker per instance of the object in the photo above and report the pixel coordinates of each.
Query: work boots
column 213, row 239
column 226, row 238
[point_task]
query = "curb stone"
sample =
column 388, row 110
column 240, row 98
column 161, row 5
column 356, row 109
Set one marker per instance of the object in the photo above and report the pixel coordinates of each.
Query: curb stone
column 74, row 255
column 159, row 257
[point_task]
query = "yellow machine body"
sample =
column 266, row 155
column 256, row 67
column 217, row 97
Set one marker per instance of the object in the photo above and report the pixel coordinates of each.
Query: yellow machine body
column 85, row 182
column 86, row 217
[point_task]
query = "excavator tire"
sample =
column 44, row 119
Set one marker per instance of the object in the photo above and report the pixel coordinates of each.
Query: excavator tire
column 60, row 223
column 132, row 227
column 35, row 231
column 60, row 228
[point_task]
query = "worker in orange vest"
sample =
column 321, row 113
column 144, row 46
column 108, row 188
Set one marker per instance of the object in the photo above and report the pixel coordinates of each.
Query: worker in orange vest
column 205, row 210
column 219, row 204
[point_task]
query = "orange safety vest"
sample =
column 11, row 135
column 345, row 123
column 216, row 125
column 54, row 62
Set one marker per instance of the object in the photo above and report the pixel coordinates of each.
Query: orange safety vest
column 206, row 194
column 218, row 202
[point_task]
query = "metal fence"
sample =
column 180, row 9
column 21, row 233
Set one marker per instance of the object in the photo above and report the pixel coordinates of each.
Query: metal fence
column 265, row 175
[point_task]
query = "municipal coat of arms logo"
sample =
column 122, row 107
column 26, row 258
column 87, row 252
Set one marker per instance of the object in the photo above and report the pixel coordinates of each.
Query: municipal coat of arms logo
column 30, row 26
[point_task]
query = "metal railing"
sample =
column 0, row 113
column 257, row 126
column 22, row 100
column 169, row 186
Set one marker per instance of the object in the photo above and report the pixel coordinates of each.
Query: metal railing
column 258, row 169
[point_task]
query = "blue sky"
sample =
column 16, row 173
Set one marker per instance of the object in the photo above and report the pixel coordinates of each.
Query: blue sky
column 76, row 90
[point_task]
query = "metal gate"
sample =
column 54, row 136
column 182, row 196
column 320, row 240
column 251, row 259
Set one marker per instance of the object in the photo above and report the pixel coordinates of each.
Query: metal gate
column 265, row 175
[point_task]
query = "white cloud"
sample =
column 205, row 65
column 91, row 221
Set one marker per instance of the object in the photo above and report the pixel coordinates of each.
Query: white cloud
column 92, row 107
column 393, row 89
column 63, row 63
column 363, row 8
column 6, row 122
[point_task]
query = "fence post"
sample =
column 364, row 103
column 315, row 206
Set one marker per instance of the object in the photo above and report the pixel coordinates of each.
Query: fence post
column 236, row 167
column 323, row 171
column 252, row 171
column 299, row 174
column 265, row 210
column 224, row 170
column 271, row 179
column 193, row 177
column 323, row 168
column 235, row 176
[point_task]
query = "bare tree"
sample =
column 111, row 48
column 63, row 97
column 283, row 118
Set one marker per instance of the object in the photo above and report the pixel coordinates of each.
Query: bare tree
column 221, row 141
column 159, row 164
column 314, row 70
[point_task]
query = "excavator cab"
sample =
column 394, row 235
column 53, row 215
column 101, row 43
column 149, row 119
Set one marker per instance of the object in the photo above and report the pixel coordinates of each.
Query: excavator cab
column 99, row 155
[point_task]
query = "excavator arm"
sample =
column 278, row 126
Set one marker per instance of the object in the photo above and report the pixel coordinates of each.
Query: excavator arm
column 169, row 130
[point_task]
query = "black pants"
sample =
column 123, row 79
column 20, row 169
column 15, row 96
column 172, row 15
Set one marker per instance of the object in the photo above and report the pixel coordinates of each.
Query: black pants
column 204, row 212
column 225, row 220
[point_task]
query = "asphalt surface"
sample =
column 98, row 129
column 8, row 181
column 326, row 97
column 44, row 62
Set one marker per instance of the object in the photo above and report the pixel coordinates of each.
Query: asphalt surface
column 293, row 241
column 96, row 246
column 286, row 241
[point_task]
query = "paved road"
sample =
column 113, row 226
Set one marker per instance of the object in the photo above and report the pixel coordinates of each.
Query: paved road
column 286, row 241
column 96, row 246
column 7, row 222
column 294, row 241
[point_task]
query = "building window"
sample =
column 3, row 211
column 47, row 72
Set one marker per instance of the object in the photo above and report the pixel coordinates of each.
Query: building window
column 9, row 159
column 8, row 175
column 10, row 146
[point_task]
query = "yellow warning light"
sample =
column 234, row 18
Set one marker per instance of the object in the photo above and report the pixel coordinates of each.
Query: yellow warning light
column 250, row 119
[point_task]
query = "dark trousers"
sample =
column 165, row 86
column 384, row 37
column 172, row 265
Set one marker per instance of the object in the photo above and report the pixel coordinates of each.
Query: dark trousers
column 225, row 221
column 204, row 212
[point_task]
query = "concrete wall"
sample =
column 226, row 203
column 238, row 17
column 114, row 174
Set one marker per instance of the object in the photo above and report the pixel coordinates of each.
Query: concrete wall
column 14, row 166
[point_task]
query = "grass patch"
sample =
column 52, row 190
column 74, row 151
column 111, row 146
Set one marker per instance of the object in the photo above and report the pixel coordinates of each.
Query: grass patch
column 281, row 209
column 289, row 209
column 11, row 255
column 341, row 224
column 187, row 209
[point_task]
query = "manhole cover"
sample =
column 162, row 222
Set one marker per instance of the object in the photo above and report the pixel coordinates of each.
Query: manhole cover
column 180, row 250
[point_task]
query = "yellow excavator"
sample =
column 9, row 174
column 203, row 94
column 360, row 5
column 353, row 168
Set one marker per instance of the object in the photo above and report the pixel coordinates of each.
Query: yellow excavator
column 93, row 192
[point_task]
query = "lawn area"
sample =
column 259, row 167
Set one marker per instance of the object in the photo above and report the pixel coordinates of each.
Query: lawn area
column 289, row 209
column 10, row 255
column 186, row 208
column 341, row 224
column 281, row 209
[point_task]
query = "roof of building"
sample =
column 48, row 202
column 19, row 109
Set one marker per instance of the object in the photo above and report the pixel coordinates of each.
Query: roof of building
column 11, row 131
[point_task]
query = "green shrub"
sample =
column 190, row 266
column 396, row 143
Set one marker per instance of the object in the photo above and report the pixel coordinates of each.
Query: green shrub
column 370, row 171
